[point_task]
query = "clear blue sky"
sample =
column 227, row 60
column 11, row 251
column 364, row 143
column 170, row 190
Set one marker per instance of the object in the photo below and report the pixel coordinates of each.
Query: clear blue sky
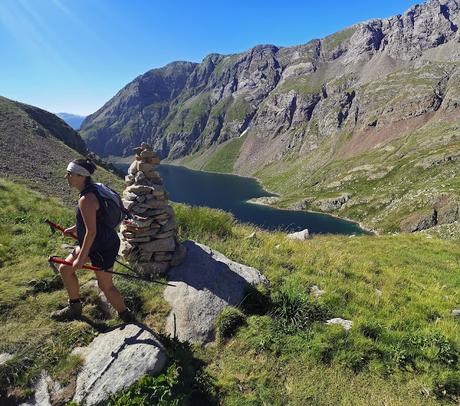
column 74, row 55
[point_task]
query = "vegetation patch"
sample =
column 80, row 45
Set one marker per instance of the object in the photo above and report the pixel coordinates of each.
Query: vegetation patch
column 398, row 290
column 228, row 322
column 225, row 156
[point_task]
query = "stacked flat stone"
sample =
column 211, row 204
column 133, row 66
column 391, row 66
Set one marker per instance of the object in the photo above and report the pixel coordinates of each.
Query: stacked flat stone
column 149, row 239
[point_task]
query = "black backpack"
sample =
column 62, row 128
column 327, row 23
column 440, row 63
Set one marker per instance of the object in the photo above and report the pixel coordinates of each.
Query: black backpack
column 114, row 211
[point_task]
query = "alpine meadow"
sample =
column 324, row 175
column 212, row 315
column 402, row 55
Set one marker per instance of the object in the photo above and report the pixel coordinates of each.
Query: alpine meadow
column 185, row 304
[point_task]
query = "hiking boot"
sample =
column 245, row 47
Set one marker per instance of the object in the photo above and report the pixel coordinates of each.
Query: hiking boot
column 71, row 312
column 127, row 316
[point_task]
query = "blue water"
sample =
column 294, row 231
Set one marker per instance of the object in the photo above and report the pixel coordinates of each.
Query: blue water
column 230, row 192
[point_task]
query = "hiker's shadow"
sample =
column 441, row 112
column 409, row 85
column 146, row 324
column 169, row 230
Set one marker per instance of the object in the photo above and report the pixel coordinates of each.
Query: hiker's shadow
column 203, row 270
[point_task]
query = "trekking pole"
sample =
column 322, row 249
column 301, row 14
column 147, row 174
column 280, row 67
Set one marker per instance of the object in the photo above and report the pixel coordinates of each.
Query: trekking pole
column 54, row 227
column 56, row 260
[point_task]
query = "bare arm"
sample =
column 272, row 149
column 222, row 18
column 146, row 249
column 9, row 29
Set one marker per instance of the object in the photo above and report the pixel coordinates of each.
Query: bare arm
column 88, row 205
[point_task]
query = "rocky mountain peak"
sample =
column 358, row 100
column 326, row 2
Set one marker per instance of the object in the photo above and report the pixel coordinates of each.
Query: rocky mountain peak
column 296, row 95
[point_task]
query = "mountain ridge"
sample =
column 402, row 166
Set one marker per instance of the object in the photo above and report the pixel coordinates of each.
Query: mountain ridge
column 301, row 109
column 35, row 148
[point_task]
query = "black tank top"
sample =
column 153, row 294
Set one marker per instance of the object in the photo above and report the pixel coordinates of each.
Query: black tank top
column 106, row 237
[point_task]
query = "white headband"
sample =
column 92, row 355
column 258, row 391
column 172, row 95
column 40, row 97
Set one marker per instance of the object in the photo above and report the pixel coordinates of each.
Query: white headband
column 77, row 169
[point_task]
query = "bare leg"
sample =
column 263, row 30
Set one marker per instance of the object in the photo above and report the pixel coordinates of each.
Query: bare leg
column 112, row 294
column 69, row 278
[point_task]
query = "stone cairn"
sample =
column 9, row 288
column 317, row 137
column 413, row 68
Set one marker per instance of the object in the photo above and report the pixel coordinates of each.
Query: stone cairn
column 149, row 240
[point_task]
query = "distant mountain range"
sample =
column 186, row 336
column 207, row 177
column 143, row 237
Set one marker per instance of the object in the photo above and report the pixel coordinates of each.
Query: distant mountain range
column 72, row 119
column 359, row 112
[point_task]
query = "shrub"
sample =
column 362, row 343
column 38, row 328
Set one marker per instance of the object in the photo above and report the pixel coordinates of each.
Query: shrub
column 294, row 312
column 196, row 222
column 371, row 329
column 228, row 322
column 256, row 300
column 150, row 390
column 448, row 385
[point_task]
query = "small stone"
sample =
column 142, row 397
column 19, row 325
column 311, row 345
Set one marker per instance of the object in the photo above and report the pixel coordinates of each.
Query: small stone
column 140, row 189
column 456, row 313
column 153, row 175
column 129, row 196
column 128, row 204
column 125, row 248
column 139, row 177
column 138, row 239
column 5, row 357
column 132, row 170
column 316, row 291
column 167, row 244
column 138, row 221
column 153, row 160
column 147, row 154
column 170, row 225
column 167, row 234
column 129, row 180
column 300, row 235
column 346, row 324
column 146, row 146
column 137, row 209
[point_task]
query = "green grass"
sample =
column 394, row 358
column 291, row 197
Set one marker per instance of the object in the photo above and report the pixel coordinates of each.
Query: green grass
column 383, row 203
column 238, row 110
column 225, row 157
column 398, row 290
column 189, row 114
column 333, row 41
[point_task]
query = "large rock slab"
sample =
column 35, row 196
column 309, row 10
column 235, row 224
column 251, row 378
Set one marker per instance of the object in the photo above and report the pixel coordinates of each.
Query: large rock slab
column 116, row 360
column 205, row 283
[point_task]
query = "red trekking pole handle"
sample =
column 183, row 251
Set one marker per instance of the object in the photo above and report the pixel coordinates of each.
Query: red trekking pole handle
column 60, row 228
column 64, row 262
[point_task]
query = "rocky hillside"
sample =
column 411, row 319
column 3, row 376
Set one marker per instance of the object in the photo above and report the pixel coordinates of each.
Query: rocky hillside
column 290, row 98
column 288, row 115
column 35, row 147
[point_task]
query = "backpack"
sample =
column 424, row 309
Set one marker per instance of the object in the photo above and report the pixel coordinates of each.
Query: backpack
column 114, row 211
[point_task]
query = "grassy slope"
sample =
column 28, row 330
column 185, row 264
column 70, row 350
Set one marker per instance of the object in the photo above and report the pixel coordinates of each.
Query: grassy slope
column 31, row 153
column 402, row 186
column 398, row 290
column 221, row 159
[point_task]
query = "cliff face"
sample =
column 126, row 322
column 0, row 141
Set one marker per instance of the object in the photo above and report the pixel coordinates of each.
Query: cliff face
column 372, row 78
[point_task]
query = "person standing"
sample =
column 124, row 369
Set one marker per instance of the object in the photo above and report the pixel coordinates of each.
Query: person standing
column 98, row 243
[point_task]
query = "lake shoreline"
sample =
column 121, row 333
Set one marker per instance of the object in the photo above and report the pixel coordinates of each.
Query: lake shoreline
column 231, row 192
column 361, row 225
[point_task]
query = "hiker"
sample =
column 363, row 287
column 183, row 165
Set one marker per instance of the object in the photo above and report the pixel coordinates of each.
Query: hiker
column 98, row 243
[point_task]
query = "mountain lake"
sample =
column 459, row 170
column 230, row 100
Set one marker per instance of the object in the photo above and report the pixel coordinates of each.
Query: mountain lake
column 231, row 192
